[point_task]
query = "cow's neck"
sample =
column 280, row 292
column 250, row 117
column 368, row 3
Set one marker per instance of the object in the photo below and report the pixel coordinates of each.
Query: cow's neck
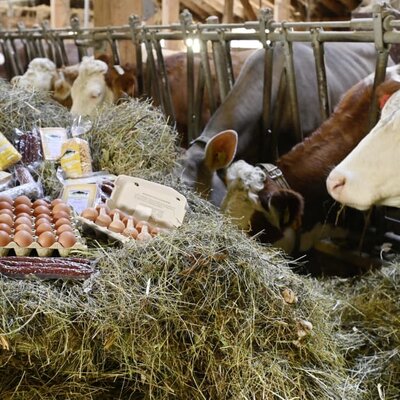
column 308, row 164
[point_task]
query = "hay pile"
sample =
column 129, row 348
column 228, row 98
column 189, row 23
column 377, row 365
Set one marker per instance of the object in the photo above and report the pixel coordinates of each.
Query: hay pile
column 23, row 109
column 201, row 313
column 368, row 307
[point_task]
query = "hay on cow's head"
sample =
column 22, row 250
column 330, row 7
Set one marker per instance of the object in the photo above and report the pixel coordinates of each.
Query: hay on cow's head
column 368, row 308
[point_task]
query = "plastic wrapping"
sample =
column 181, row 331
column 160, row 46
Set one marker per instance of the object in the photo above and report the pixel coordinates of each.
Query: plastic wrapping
column 80, row 126
column 76, row 160
column 8, row 154
column 29, row 145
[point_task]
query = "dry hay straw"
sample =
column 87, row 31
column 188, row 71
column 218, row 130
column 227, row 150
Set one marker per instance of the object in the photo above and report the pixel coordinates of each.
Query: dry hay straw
column 368, row 308
column 199, row 313
column 24, row 109
column 132, row 138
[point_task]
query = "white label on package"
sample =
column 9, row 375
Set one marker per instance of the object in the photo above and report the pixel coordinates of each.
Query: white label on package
column 52, row 141
column 80, row 197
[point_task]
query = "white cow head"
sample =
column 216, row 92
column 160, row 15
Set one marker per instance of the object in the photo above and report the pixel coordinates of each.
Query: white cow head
column 39, row 76
column 89, row 90
column 369, row 175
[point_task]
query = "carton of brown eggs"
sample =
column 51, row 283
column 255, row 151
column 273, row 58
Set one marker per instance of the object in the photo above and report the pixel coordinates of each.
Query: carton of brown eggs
column 39, row 226
column 137, row 209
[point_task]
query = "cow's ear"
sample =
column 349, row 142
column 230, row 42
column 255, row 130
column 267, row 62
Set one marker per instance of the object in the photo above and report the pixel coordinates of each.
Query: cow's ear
column 385, row 90
column 220, row 150
column 283, row 208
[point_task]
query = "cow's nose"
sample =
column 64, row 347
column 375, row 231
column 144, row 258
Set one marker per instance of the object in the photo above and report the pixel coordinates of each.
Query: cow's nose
column 335, row 183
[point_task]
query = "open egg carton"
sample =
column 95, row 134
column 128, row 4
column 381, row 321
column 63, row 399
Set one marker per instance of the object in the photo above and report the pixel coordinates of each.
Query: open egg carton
column 140, row 209
column 39, row 227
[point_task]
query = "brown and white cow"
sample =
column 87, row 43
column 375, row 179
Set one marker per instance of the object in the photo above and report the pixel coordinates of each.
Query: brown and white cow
column 43, row 75
column 97, row 84
column 275, row 208
column 241, row 111
column 369, row 175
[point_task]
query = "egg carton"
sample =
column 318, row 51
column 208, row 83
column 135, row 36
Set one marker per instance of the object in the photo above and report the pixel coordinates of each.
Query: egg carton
column 35, row 247
column 101, row 231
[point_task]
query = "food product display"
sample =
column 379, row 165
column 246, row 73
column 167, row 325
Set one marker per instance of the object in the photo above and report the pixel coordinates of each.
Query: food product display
column 76, row 160
column 117, row 225
column 46, row 267
column 42, row 226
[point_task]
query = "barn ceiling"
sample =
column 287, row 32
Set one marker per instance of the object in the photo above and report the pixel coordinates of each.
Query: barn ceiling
column 303, row 10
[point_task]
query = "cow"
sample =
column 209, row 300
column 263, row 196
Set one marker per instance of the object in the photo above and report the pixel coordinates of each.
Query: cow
column 126, row 83
column 43, row 75
column 288, row 200
column 369, row 175
column 241, row 111
column 98, row 84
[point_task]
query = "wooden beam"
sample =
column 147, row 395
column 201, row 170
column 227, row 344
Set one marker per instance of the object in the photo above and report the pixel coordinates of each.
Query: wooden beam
column 115, row 13
column 170, row 15
column 228, row 12
column 282, row 10
column 248, row 10
column 194, row 7
column 60, row 13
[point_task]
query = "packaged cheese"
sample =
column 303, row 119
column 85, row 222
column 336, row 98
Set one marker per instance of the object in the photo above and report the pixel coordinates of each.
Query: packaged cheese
column 76, row 160
column 8, row 154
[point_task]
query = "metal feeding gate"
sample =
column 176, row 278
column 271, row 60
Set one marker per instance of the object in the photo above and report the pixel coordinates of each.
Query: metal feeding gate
column 22, row 45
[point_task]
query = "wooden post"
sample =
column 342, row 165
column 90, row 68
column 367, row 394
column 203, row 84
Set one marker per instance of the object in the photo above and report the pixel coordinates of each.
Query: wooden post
column 282, row 10
column 116, row 13
column 170, row 15
column 227, row 18
column 60, row 12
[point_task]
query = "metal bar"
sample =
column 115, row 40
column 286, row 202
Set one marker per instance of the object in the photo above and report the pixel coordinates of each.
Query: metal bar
column 318, row 49
column 292, row 89
column 205, row 64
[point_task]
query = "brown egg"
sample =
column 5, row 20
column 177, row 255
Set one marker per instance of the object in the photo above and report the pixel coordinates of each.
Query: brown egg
column 6, row 219
column 57, row 201
column 23, row 238
column 62, row 221
column 130, row 229
column 61, row 207
column 140, row 224
column 5, row 228
column 8, row 199
column 23, row 200
column 116, row 225
column 22, row 208
column 23, row 220
column 5, row 205
column 42, row 220
column 4, row 238
column 44, row 227
column 155, row 230
column 67, row 239
column 129, row 218
column 23, row 227
column 64, row 228
column 100, row 206
column 90, row 214
column 40, row 202
column 41, row 210
column 44, row 216
column 46, row 239
column 7, row 211
column 25, row 215
column 122, row 215
column 103, row 219
column 60, row 214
